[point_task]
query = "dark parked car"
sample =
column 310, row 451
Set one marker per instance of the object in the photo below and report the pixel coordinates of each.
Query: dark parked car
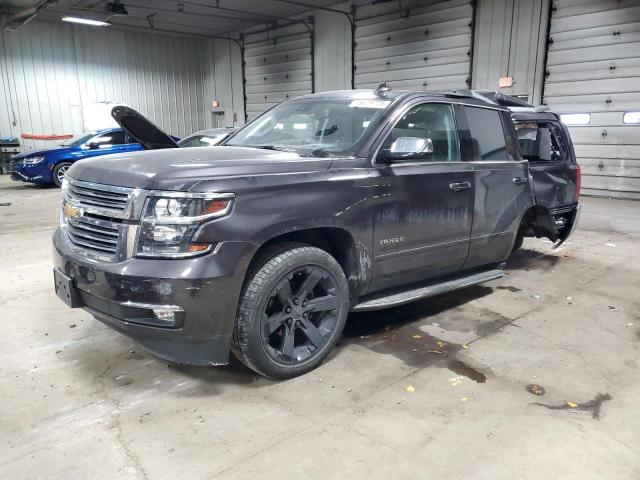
column 325, row 204
column 49, row 165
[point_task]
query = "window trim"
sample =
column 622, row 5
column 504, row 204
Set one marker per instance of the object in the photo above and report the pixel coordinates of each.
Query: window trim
column 397, row 116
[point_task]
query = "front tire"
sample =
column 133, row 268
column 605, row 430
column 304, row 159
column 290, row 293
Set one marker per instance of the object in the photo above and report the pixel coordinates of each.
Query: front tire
column 59, row 171
column 292, row 312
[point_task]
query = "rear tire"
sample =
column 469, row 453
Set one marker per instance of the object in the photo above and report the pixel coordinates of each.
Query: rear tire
column 59, row 172
column 292, row 311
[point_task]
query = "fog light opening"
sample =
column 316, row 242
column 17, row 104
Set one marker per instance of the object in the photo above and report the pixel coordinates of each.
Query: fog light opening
column 166, row 316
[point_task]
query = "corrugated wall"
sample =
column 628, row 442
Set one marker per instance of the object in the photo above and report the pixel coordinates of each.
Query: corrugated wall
column 332, row 50
column 50, row 72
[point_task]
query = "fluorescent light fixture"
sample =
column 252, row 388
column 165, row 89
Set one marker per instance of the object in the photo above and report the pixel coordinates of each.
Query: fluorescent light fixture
column 631, row 117
column 86, row 21
column 575, row 118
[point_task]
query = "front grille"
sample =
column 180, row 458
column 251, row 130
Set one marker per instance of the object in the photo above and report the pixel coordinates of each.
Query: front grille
column 94, row 217
column 94, row 196
column 98, row 236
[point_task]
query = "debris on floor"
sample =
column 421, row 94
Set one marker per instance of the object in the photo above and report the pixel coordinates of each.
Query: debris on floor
column 536, row 389
column 455, row 381
column 410, row 389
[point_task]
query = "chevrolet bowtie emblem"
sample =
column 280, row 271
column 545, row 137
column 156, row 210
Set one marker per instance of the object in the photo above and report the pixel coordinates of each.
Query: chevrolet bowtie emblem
column 71, row 212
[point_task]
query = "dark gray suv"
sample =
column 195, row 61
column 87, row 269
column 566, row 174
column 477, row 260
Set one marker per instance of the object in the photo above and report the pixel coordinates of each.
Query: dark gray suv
column 326, row 204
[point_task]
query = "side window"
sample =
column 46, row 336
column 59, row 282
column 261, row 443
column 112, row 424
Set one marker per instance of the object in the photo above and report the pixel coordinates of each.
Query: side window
column 540, row 142
column 429, row 121
column 113, row 138
column 487, row 135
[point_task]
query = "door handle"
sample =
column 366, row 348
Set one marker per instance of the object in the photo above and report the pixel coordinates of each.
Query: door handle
column 519, row 180
column 458, row 187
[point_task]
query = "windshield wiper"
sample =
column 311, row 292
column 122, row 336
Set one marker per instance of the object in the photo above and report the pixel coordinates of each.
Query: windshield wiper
column 264, row 147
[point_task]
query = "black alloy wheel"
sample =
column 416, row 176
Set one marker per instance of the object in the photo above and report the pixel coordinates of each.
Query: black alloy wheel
column 292, row 311
column 300, row 315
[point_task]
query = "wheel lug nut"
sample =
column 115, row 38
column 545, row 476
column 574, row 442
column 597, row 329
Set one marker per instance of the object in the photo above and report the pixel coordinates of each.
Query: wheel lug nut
column 296, row 301
column 288, row 309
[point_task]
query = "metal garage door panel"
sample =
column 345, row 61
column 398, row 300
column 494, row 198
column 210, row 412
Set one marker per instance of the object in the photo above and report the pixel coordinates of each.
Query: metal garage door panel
column 627, row 67
column 427, row 49
column 291, row 76
column 614, row 16
column 441, row 57
column 612, row 186
column 630, row 152
column 612, row 85
column 562, row 54
column 602, row 171
column 277, row 68
column 593, row 66
column 628, row 135
column 595, row 102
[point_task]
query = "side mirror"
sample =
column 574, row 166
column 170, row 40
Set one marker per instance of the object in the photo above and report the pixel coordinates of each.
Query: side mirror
column 409, row 148
column 93, row 145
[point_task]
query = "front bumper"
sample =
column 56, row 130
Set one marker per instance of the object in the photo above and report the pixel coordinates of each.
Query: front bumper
column 204, row 291
column 29, row 173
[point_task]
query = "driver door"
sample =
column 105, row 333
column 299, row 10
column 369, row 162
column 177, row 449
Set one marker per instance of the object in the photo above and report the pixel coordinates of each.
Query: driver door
column 423, row 215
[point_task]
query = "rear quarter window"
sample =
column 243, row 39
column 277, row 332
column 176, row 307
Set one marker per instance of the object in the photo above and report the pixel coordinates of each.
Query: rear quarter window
column 541, row 141
column 487, row 134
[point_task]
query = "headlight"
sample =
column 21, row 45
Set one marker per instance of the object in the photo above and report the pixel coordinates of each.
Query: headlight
column 170, row 221
column 32, row 160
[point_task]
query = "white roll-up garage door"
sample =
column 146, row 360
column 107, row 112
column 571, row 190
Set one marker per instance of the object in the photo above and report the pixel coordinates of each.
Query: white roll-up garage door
column 278, row 66
column 593, row 67
column 423, row 48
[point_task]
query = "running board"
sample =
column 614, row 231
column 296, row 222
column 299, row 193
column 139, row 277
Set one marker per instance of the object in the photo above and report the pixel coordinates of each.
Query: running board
column 401, row 298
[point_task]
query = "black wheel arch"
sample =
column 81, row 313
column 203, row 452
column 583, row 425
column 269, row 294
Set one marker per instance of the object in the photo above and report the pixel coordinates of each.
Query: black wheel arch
column 336, row 241
column 538, row 222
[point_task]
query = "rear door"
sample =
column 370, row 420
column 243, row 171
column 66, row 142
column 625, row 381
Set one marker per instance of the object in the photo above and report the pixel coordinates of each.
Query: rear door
column 424, row 207
column 501, row 183
column 547, row 146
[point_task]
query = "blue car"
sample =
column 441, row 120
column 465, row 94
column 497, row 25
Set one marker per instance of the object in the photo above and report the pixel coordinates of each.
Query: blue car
column 50, row 165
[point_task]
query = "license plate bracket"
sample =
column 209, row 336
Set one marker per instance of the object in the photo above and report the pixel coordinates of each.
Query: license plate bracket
column 65, row 290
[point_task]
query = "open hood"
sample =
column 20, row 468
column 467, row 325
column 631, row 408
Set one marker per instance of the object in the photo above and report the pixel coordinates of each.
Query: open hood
column 141, row 129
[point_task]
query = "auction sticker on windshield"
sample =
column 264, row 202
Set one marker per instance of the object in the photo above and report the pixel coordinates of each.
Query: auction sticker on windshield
column 370, row 104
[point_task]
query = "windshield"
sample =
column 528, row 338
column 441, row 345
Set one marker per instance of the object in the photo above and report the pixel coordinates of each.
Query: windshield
column 316, row 127
column 200, row 140
column 78, row 139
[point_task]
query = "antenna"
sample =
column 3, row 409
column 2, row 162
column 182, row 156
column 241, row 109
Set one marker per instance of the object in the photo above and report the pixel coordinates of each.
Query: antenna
column 382, row 89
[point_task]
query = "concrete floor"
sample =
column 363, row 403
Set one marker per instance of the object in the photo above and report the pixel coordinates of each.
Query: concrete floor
column 81, row 401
